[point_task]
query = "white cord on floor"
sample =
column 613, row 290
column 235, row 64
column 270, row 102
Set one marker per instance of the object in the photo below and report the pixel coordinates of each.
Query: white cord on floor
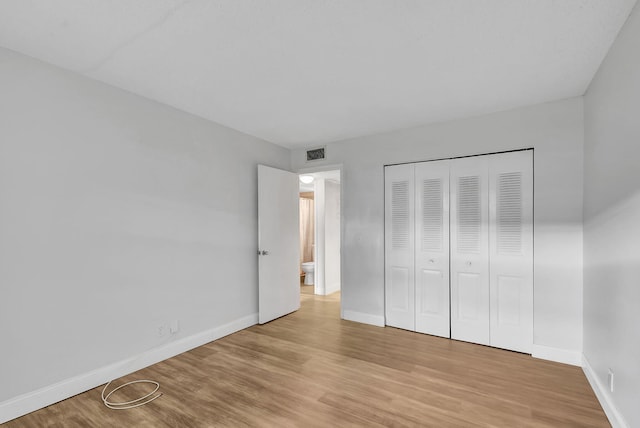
column 133, row 403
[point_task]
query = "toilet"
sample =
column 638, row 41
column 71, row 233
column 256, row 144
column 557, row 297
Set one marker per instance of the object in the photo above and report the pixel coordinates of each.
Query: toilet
column 307, row 268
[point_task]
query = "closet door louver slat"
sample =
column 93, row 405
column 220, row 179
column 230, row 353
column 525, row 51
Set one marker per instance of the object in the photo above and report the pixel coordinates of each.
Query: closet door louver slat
column 432, row 195
column 400, row 214
column 509, row 213
column 469, row 218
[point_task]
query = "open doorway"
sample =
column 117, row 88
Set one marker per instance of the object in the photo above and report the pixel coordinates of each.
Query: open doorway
column 320, row 233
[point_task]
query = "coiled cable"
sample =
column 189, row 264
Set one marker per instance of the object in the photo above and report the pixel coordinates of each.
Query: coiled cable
column 133, row 403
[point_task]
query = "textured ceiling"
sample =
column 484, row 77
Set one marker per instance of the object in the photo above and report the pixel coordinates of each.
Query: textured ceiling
column 302, row 72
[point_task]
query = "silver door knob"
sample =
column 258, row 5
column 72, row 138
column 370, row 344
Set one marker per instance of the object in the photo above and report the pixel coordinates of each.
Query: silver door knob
column 469, row 263
column 265, row 253
column 432, row 260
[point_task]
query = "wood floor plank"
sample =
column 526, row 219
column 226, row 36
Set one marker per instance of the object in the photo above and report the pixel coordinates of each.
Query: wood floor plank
column 312, row 369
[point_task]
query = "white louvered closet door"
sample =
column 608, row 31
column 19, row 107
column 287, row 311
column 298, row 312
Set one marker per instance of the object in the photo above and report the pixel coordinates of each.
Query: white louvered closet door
column 432, row 248
column 399, row 246
column 511, row 250
column 470, row 250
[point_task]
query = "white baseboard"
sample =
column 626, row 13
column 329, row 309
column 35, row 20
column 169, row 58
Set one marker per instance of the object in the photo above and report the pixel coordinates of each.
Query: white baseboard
column 31, row 401
column 565, row 356
column 361, row 317
column 604, row 396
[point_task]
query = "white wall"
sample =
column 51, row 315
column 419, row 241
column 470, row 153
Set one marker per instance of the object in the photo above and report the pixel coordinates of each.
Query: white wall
column 116, row 214
column 612, row 226
column 555, row 130
column 332, row 236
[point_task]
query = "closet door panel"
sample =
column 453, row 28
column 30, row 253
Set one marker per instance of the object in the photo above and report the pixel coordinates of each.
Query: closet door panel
column 399, row 246
column 511, row 250
column 469, row 296
column 432, row 247
column 469, row 250
column 429, row 297
column 400, row 290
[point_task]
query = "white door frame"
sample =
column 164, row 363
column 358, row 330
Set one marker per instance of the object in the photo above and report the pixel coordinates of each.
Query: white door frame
column 325, row 168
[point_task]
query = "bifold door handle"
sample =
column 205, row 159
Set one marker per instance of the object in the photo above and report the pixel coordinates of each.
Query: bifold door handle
column 432, row 260
column 264, row 253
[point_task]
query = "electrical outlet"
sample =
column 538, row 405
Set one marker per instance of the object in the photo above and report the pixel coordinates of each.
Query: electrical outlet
column 161, row 330
column 610, row 380
column 174, row 327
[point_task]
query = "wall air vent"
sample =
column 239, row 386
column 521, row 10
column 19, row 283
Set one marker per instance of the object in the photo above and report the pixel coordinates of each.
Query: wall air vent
column 315, row 154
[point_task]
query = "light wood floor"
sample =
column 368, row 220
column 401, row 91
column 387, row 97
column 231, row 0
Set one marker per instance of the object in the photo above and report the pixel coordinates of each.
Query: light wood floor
column 311, row 369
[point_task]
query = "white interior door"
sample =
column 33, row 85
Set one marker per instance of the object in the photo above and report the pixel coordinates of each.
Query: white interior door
column 469, row 250
column 278, row 243
column 511, row 250
column 399, row 246
column 432, row 248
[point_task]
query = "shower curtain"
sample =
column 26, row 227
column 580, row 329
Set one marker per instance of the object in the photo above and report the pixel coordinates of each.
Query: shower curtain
column 307, row 227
